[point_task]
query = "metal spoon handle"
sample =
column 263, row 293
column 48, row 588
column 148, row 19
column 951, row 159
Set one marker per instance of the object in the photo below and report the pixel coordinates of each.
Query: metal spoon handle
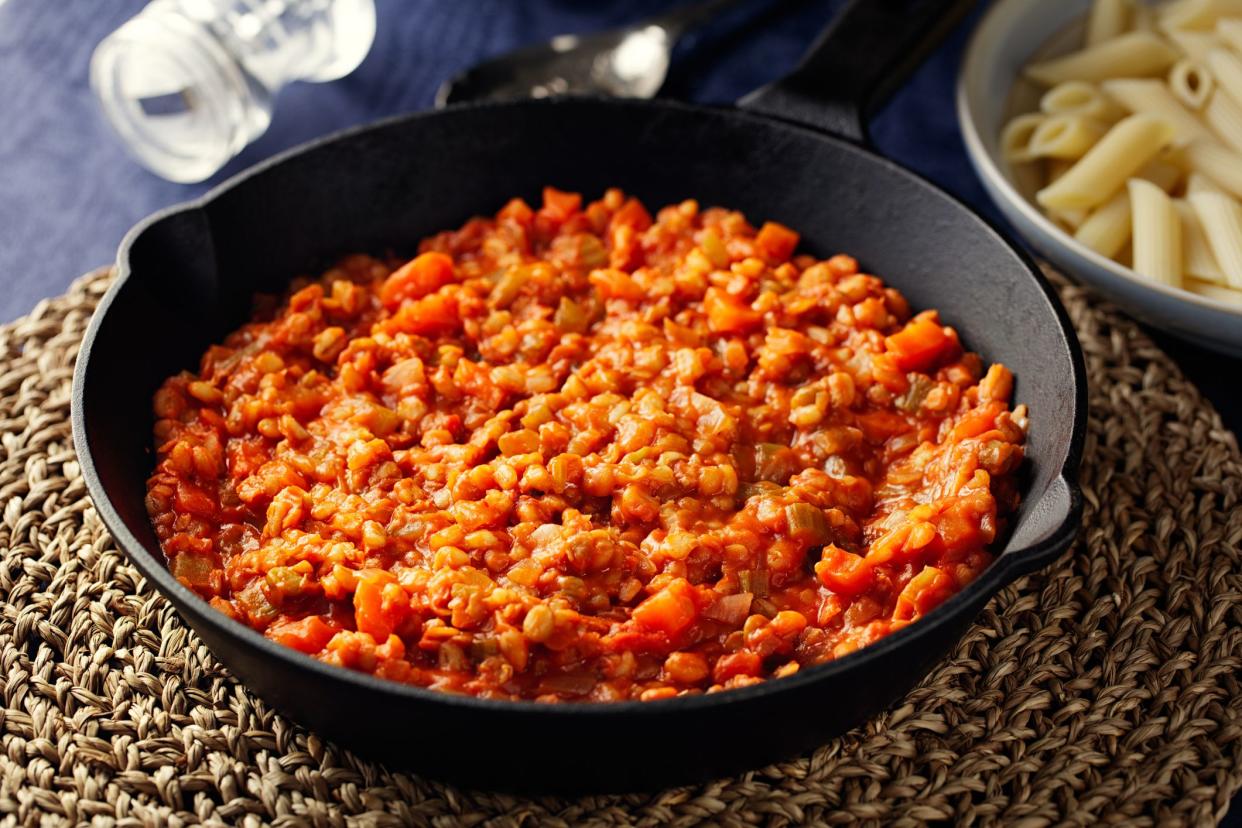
column 683, row 18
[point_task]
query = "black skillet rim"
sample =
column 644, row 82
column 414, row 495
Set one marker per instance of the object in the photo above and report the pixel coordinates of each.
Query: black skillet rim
column 1006, row 568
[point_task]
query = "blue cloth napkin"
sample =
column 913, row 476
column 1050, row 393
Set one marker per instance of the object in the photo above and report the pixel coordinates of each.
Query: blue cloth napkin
column 68, row 191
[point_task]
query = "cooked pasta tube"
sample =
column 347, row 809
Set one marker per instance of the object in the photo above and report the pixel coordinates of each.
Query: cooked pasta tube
column 1134, row 54
column 1217, row 293
column 1107, row 229
column 1069, row 220
column 1224, row 115
column 1065, row 136
column 1190, row 83
column 1196, row 45
column 1217, row 162
column 1108, row 18
column 1157, row 233
column 1197, row 257
column 1221, row 218
column 1198, row 14
column 1229, row 29
column 1226, row 67
column 1197, row 182
column 1153, row 97
column 1080, row 98
column 1123, row 150
column 1016, row 136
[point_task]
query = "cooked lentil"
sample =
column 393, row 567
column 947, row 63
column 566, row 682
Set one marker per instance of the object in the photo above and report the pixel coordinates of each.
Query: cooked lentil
column 575, row 453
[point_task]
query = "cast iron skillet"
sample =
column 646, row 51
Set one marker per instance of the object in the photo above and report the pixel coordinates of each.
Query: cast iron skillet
column 186, row 276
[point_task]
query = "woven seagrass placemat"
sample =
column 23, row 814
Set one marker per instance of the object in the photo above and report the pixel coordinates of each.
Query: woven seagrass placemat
column 1103, row 689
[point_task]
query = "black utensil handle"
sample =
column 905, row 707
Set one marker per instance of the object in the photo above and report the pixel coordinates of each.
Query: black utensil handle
column 867, row 51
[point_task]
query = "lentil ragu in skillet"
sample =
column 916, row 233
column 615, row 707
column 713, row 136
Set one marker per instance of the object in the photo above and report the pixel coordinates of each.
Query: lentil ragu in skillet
column 580, row 453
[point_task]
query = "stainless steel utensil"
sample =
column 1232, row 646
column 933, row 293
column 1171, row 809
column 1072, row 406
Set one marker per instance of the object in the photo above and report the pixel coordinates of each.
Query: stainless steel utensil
column 629, row 62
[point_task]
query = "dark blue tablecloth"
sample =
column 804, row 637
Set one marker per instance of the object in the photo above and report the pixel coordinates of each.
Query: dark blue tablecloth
column 68, row 192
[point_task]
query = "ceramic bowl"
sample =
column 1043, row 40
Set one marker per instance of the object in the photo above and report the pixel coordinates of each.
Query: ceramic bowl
column 990, row 90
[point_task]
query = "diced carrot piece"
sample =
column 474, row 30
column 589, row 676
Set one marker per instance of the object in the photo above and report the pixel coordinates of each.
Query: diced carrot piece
column 997, row 384
column 977, row 421
column 727, row 315
column 616, row 284
column 424, row 274
column 192, row 499
column 968, row 522
column 885, row 371
column 776, row 241
column 878, row 426
column 926, row 591
column 310, row 634
column 632, row 214
column 920, row 344
column 517, row 210
column 886, row 547
column 432, row 314
column 379, row 603
column 670, row 610
column 560, row 205
column 843, row 572
column 741, row 663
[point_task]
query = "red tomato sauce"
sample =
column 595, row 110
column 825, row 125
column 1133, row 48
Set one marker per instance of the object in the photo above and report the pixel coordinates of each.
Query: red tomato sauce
column 578, row 452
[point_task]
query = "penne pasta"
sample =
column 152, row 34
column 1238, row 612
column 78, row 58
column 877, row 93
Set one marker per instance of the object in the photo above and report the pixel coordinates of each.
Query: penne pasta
column 1150, row 106
column 1190, row 84
column 1144, row 19
column 1226, row 67
column 1224, row 115
column 1156, row 232
column 1080, row 98
column 1197, row 258
column 1196, row 45
column 1108, row 19
column 1107, row 229
column 1221, row 218
column 1154, row 98
column 1197, row 182
column 1106, row 166
column 1070, row 220
column 1217, row 293
column 1015, row 142
column 1217, row 162
column 1065, row 136
column 1229, row 30
column 1135, row 54
column 1198, row 14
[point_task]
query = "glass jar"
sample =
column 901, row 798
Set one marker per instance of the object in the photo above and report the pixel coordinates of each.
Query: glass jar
column 188, row 83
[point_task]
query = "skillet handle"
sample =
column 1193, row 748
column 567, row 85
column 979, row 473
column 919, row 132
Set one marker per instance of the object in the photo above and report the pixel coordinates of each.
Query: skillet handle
column 866, row 52
column 1050, row 526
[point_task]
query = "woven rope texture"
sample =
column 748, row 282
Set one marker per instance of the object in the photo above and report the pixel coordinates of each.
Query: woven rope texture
column 1103, row 689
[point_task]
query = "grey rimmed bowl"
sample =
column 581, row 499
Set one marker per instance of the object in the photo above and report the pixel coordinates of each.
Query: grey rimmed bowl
column 989, row 91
